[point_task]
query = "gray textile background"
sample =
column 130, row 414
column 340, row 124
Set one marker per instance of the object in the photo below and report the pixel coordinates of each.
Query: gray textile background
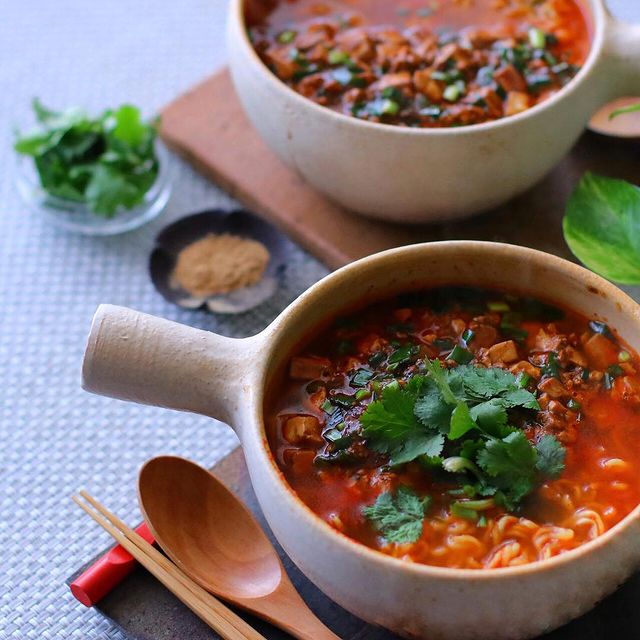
column 54, row 438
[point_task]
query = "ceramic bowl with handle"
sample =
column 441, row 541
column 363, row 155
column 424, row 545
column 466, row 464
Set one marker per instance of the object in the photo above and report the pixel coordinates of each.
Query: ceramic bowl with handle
column 137, row 357
column 407, row 174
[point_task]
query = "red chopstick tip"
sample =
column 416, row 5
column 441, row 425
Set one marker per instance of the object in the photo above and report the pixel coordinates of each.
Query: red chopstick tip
column 106, row 573
column 81, row 595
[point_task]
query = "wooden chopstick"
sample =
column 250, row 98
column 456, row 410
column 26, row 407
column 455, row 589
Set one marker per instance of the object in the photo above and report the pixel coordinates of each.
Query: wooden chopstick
column 218, row 616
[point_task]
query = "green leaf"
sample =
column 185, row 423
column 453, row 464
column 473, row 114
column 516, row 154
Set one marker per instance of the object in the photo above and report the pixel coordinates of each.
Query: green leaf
column 439, row 375
column 480, row 384
column 431, row 409
column 43, row 114
column 399, row 518
column 108, row 162
column 391, row 426
column 108, row 189
column 551, row 455
column 483, row 383
column 602, row 227
column 520, row 398
column 491, row 417
column 126, row 125
column 513, row 456
column 461, row 421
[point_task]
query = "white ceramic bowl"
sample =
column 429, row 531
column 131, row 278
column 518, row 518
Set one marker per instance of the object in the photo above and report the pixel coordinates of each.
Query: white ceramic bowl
column 421, row 175
column 137, row 357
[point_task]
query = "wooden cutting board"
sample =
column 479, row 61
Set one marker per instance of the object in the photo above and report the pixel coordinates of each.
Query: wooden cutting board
column 208, row 127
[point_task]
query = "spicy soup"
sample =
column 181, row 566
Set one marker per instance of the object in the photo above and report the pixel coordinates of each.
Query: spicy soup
column 422, row 63
column 462, row 428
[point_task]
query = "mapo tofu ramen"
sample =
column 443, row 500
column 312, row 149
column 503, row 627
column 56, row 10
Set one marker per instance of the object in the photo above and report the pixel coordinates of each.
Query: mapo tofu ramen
column 422, row 63
column 462, row 428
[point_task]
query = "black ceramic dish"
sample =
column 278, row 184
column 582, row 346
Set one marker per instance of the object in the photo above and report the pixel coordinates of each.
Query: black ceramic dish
column 175, row 237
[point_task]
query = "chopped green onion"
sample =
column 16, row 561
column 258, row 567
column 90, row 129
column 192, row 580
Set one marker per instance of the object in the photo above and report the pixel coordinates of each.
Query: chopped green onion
column 523, row 379
column 343, row 400
column 389, row 107
column 361, row 377
column 460, row 355
column 337, row 439
column 601, row 328
column 615, row 370
column 462, row 512
column 477, row 505
column 338, row 57
column 482, row 521
column 403, row 354
column 585, row 375
column 453, row 92
column 458, row 464
column 468, row 336
column 574, row 405
column 624, row 356
column 327, row 407
column 362, row 394
column 537, row 38
column 377, row 358
column 443, row 344
column 287, row 36
column 607, row 381
column 431, row 111
column 393, row 93
column 498, row 306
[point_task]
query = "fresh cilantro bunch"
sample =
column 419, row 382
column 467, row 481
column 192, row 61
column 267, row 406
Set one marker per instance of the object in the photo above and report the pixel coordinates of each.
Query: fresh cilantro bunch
column 108, row 162
column 458, row 421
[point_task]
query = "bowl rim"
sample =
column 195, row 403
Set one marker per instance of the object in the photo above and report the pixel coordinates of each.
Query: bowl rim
column 273, row 335
column 595, row 10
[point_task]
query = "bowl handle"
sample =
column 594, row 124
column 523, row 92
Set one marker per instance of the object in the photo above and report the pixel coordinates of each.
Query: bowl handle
column 137, row 357
column 621, row 58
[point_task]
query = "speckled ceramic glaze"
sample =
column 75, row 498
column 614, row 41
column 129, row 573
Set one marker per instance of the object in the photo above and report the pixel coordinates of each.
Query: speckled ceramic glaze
column 137, row 357
column 419, row 175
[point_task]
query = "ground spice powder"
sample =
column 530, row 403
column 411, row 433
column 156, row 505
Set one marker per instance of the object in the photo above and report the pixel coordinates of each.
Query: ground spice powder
column 219, row 264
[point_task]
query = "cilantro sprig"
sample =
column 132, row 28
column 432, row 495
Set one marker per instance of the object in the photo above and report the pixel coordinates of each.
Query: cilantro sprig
column 460, row 421
column 399, row 517
column 108, row 162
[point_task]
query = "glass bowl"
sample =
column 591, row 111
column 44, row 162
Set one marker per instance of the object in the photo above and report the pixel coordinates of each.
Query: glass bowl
column 77, row 217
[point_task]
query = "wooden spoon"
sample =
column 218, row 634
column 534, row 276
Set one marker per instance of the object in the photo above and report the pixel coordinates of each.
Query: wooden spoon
column 210, row 534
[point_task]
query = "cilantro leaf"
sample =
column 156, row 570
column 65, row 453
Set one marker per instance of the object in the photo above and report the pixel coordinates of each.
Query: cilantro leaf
column 399, row 518
column 512, row 456
column 484, row 384
column 431, row 409
column 108, row 162
column 511, row 463
column 439, row 375
column 491, row 417
column 461, row 421
column 391, row 426
column 551, row 455
column 520, row 398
